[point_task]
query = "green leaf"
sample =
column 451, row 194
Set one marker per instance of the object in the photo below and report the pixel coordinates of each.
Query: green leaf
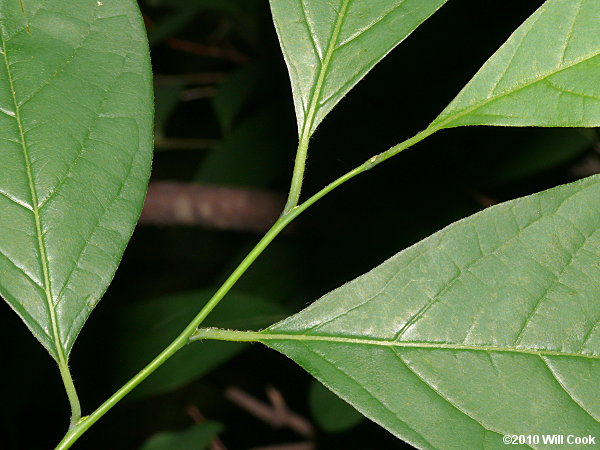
column 546, row 74
column 330, row 45
column 197, row 437
column 76, row 138
column 330, row 412
column 488, row 327
column 145, row 328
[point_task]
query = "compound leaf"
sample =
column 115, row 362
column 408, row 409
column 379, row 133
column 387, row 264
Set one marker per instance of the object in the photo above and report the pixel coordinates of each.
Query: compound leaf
column 76, row 146
column 330, row 45
column 488, row 327
column 546, row 74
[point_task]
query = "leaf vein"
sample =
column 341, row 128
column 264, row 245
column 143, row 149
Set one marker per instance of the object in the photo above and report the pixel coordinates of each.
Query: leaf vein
column 364, row 389
column 370, row 26
column 438, row 393
column 564, row 388
column 555, row 282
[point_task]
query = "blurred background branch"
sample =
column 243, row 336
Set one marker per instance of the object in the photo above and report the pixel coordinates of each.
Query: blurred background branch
column 172, row 203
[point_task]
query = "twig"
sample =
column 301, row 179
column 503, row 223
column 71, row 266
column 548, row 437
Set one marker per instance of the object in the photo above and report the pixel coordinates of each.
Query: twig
column 171, row 203
column 207, row 50
column 291, row 446
column 168, row 143
column 483, row 200
column 198, row 417
column 198, row 93
column 277, row 414
column 588, row 166
column 190, row 78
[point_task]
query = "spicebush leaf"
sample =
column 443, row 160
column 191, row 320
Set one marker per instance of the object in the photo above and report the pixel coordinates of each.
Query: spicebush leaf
column 76, row 146
column 330, row 45
column 488, row 327
column 546, row 74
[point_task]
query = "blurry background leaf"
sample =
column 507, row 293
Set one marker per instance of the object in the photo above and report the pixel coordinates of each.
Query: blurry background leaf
column 276, row 276
column 544, row 151
column 329, row 411
column 166, row 98
column 249, row 155
column 196, row 437
column 183, row 12
column 233, row 95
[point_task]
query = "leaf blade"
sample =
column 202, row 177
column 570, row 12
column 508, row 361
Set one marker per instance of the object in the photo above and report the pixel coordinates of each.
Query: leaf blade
column 543, row 75
column 76, row 102
column 484, row 329
column 329, row 46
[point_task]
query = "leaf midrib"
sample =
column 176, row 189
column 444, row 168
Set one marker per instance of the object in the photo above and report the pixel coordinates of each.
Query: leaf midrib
column 34, row 208
column 254, row 336
column 323, row 69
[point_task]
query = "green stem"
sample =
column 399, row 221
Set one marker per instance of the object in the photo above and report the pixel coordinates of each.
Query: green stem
column 65, row 374
column 190, row 331
column 298, row 175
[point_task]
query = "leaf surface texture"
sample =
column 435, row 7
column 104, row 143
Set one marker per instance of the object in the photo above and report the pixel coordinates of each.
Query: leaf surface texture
column 488, row 327
column 546, row 74
column 330, row 45
column 76, row 146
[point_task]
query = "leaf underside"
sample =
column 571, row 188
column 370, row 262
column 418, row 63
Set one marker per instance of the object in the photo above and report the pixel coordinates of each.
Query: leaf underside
column 546, row 74
column 488, row 327
column 76, row 145
column 330, row 45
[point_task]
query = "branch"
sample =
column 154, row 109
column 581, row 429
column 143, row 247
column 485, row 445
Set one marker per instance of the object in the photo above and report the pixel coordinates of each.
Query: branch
column 171, row 203
column 277, row 414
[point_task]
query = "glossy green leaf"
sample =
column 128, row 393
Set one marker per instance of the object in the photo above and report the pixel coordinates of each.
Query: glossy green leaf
column 143, row 329
column 546, row 74
column 330, row 45
column 76, row 146
column 197, row 437
column 488, row 327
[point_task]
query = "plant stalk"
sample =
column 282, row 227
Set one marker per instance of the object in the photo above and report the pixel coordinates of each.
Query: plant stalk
column 67, row 379
column 297, row 176
column 188, row 333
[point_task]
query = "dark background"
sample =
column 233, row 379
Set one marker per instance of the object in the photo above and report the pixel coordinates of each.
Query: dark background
column 449, row 176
